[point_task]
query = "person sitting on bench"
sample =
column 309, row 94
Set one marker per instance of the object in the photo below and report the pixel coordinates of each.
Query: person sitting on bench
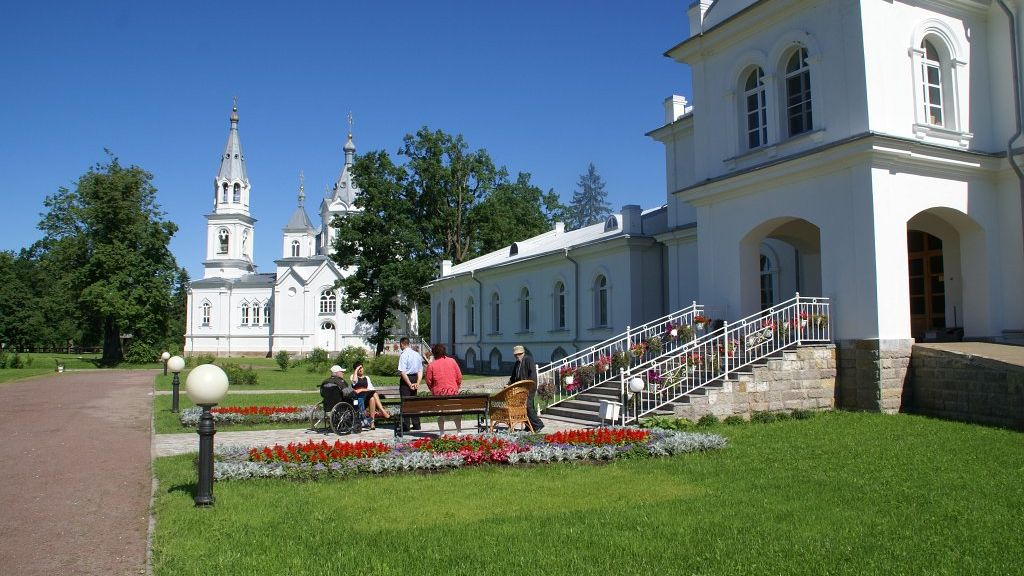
column 444, row 379
column 363, row 388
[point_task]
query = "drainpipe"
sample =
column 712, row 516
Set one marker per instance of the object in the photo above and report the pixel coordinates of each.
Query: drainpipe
column 479, row 313
column 1015, row 71
column 575, row 300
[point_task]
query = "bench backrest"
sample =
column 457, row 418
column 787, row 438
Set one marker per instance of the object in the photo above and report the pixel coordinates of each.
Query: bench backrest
column 442, row 404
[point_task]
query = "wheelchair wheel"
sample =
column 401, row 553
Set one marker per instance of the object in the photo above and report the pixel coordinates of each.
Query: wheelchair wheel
column 317, row 419
column 343, row 419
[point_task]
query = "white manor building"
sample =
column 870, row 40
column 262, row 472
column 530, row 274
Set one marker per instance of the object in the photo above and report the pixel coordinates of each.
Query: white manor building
column 235, row 311
column 862, row 150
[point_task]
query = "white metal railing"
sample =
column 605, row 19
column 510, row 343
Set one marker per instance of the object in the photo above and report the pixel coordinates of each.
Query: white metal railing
column 599, row 363
column 717, row 354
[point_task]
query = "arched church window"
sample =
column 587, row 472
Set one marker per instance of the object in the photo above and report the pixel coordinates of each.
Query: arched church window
column 524, row 309
column 224, row 194
column 295, row 248
column 255, row 313
column 245, row 242
column 245, row 313
column 207, row 309
column 755, row 109
column 222, row 240
column 470, row 316
column 768, row 274
column 236, row 196
column 559, row 305
column 495, row 313
column 601, row 301
column 798, row 93
column 266, row 313
column 328, row 302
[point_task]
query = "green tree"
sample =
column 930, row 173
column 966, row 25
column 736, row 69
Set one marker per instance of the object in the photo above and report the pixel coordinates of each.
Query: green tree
column 514, row 211
column 109, row 236
column 590, row 201
column 383, row 245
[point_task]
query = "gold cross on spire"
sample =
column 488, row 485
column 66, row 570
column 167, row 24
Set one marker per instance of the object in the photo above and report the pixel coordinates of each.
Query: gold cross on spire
column 302, row 186
column 349, row 123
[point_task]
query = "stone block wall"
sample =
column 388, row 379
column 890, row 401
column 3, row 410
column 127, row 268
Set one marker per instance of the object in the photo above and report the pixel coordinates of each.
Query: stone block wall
column 802, row 379
column 968, row 388
column 873, row 374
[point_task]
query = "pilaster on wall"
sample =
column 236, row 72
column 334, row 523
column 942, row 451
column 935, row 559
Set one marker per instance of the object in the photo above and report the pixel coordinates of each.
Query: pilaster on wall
column 873, row 374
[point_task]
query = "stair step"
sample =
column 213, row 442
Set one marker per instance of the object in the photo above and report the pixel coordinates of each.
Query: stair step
column 571, row 413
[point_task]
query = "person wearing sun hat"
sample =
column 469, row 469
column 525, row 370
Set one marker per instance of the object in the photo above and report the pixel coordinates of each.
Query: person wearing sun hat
column 526, row 369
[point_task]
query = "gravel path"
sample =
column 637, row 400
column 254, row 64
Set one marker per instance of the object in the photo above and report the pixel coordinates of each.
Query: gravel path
column 75, row 484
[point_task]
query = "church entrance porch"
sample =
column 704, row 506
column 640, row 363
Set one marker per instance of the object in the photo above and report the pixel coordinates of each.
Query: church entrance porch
column 927, row 285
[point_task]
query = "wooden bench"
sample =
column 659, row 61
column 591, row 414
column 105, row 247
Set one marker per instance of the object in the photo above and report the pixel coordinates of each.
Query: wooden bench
column 456, row 405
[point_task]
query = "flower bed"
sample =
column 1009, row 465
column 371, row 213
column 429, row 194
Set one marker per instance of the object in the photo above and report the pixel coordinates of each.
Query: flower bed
column 249, row 414
column 320, row 459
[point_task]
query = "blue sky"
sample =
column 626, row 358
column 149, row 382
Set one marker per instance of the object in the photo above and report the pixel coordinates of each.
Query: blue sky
column 544, row 87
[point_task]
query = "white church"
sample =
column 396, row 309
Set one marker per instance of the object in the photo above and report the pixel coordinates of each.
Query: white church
column 236, row 311
column 868, row 151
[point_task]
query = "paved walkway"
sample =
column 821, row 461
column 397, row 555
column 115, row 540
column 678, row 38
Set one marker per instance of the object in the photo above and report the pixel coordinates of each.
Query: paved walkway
column 171, row 444
column 75, row 482
column 1001, row 352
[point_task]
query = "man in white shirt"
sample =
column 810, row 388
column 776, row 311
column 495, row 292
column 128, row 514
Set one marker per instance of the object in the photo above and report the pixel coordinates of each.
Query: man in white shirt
column 410, row 372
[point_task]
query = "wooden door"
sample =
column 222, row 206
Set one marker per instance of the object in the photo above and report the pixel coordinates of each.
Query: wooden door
column 927, row 283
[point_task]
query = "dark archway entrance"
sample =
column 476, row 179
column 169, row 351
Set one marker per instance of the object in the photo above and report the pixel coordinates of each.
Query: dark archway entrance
column 927, row 284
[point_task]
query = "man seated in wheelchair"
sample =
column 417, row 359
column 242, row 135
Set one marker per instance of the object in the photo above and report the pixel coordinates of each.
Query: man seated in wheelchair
column 335, row 390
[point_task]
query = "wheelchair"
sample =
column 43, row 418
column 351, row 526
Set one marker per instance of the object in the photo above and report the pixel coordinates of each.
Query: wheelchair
column 344, row 416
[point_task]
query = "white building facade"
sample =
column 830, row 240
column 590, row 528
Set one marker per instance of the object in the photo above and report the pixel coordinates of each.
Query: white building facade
column 867, row 151
column 236, row 311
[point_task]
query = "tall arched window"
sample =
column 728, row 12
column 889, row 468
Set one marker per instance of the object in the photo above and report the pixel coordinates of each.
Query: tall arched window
column 601, row 301
column 245, row 313
column 224, row 194
column 559, row 306
column 266, row 313
column 207, row 309
column 255, row 313
column 328, row 302
column 295, row 248
column 222, row 240
column 798, row 93
column 524, row 309
column 495, row 313
column 755, row 109
column 767, row 282
column 470, row 316
column 236, row 196
column 931, row 84
column 245, row 242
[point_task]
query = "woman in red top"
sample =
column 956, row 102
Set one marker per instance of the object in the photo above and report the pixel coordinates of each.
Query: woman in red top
column 444, row 379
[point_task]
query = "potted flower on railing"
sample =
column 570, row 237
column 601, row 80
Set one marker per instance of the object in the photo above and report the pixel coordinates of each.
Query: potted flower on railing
column 638, row 350
column 620, row 360
column 584, row 377
column 568, row 374
column 820, row 320
column 803, row 317
column 728, row 348
column 654, row 345
column 654, row 380
column 603, row 364
column 693, row 361
column 701, row 322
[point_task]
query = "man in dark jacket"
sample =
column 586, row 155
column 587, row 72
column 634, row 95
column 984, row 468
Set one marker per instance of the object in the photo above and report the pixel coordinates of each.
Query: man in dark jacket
column 526, row 369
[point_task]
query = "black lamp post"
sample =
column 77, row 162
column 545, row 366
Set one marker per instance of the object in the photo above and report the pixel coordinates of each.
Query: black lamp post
column 175, row 364
column 205, row 386
column 165, row 357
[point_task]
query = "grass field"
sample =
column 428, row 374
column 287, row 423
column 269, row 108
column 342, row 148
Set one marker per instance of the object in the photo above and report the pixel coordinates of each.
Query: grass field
column 166, row 422
column 15, row 374
column 842, row 493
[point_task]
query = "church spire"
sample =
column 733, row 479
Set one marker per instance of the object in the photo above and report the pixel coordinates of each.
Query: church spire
column 350, row 147
column 300, row 222
column 232, row 161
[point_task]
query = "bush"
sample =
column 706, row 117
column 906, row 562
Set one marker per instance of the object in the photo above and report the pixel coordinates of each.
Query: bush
column 383, row 365
column 708, row 420
column 763, row 417
column 733, row 420
column 349, row 356
column 28, row 361
column 283, row 359
column 139, row 352
column 803, row 414
column 318, row 360
column 780, row 416
column 239, row 376
column 3, row 359
column 199, row 360
column 15, row 361
column 666, row 423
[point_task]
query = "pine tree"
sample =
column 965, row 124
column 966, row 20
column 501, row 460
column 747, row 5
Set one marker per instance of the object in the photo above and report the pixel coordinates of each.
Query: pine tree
column 589, row 202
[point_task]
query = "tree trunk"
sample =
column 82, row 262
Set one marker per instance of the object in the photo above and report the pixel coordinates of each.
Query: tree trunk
column 112, row 354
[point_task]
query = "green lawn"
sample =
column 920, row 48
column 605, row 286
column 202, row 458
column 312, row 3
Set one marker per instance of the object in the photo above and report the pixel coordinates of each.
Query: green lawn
column 14, row 374
column 842, row 493
column 166, row 422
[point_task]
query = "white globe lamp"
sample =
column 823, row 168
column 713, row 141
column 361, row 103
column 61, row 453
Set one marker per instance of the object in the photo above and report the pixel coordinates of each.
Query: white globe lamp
column 636, row 384
column 206, row 384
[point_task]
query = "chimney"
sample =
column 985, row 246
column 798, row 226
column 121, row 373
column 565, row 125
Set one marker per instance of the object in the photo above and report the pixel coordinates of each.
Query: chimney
column 675, row 106
column 559, row 227
column 446, row 267
column 696, row 13
column 631, row 221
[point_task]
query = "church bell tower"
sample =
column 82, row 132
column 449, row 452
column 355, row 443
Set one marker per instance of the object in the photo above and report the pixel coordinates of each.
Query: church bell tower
column 229, row 228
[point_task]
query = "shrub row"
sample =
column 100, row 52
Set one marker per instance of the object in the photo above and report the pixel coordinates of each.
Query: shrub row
column 672, row 423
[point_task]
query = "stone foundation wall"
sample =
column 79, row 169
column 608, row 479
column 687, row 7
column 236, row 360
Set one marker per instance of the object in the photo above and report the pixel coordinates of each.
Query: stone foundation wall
column 803, row 379
column 968, row 388
column 873, row 374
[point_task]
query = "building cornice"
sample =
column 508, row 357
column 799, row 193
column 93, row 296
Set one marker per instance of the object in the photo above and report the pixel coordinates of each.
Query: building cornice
column 215, row 217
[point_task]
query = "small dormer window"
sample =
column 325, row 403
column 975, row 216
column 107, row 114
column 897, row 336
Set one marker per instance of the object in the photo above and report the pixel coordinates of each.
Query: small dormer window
column 612, row 223
column 513, row 250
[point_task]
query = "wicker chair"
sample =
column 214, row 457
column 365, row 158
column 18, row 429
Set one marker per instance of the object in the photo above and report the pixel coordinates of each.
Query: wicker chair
column 509, row 405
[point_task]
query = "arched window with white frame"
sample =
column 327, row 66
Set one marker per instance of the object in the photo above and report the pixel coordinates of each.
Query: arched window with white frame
column 245, row 313
column 470, row 316
column 295, row 249
column 495, row 313
column 266, row 313
column 207, row 309
column 328, row 302
column 255, row 306
column 223, row 238
column 797, row 86
column 559, row 305
column 940, row 78
column 524, row 309
column 755, row 109
column 224, row 194
column 236, row 196
column 601, row 316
